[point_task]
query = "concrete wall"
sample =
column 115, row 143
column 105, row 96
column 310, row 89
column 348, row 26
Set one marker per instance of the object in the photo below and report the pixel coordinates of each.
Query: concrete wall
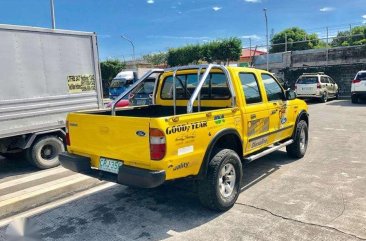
column 341, row 64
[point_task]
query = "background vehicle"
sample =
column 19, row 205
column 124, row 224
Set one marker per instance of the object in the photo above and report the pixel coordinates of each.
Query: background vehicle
column 358, row 87
column 121, row 82
column 205, row 120
column 143, row 94
column 316, row 85
column 44, row 74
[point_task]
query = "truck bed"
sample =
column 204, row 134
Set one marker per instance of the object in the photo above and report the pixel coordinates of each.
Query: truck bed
column 154, row 111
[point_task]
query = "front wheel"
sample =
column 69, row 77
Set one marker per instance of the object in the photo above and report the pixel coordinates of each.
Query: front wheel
column 221, row 187
column 298, row 148
column 44, row 152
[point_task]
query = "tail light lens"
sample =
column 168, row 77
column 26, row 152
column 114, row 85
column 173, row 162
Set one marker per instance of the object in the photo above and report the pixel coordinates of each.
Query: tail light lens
column 356, row 81
column 68, row 143
column 318, row 85
column 157, row 144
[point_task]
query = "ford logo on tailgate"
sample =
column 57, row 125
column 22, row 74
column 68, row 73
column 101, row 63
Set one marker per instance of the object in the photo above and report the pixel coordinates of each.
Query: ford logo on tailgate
column 140, row 133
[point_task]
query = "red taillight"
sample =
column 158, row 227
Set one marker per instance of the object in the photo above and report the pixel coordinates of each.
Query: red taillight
column 157, row 144
column 356, row 81
column 318, row 85
column 68, row 143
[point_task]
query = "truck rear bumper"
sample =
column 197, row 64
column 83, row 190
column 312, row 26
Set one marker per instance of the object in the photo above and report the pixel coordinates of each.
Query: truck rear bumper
column 129, row 176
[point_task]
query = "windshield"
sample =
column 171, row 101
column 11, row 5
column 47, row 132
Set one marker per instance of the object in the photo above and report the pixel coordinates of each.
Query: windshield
column 118, row 83
column 307, row 80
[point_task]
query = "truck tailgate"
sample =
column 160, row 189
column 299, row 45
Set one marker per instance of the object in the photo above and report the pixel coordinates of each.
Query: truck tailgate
column 115, row 137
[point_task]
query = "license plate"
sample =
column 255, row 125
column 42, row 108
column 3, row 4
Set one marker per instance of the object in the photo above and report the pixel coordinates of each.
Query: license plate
column 109, row 165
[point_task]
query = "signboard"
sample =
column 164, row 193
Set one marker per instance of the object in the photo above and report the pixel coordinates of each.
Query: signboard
column 80, row 83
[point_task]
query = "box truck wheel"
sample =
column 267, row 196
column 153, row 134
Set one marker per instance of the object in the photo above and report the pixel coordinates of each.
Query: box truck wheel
column 44, row 152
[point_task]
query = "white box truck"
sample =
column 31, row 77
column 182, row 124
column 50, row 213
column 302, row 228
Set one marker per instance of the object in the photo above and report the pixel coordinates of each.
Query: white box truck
column 44, row 74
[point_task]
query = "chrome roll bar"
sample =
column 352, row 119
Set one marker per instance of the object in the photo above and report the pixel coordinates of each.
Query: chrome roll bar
column 128, row 90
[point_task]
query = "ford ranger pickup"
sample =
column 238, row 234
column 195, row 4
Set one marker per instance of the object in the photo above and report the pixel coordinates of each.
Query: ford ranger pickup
column 204, row 122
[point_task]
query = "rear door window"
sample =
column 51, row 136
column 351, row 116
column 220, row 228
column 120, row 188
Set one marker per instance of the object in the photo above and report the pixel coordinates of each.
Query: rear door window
column 307, row 80
column 250, row 87
column 324, row 80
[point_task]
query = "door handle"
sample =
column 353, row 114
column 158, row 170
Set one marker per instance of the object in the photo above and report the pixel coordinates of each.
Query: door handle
column 253, row 116
column 273, row 112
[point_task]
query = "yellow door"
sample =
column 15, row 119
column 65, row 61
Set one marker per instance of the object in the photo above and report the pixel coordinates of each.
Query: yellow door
column 256, row 115
column 281, row 113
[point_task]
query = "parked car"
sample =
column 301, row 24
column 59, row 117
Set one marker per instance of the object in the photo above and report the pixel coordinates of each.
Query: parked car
column 316, row 85
column 121, row 82
column 198, row 128
column 358, row 86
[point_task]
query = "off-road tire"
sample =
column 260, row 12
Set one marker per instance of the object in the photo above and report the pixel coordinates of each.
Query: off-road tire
column 354, row 99
column 208, row 189
column 295, row 149
column 36, row 153
column 324, row 97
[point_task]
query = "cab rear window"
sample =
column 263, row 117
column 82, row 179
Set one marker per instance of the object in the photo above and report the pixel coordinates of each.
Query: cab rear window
column 215, row 87
column 307, row 80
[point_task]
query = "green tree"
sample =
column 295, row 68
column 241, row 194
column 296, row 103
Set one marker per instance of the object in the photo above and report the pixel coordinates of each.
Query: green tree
column 156, row 58
column 297, row 39
column 357, row 36
column 109, row 69
column 224, row 50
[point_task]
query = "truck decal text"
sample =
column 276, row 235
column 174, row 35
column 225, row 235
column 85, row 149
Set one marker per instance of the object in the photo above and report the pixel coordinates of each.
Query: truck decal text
column 185, row 127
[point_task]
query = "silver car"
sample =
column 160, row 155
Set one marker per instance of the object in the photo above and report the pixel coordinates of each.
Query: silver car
column 316, row 85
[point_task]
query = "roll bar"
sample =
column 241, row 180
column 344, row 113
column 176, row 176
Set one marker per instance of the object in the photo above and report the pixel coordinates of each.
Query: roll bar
column 144, row 77
column 196, row 94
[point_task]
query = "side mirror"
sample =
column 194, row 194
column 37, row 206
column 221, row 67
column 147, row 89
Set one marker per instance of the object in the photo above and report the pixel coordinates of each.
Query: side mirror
column 286, row 85
column 290, row 94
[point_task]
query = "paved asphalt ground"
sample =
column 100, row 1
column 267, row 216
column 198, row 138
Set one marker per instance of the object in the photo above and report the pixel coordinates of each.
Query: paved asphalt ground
column 319, row 197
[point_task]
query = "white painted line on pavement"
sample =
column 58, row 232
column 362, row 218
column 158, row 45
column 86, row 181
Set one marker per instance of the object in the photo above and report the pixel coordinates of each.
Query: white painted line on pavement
column 55, row 204
column 32, row 177
column 43, row 188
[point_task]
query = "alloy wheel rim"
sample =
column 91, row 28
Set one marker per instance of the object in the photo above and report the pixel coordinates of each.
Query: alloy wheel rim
column 302, row 140
column 227, row 179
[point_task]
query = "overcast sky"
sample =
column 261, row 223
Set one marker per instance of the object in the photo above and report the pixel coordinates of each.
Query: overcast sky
column 156, row 25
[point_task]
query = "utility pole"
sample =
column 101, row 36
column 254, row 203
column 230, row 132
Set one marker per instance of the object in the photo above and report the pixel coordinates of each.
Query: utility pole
column 327, row 47
column 265, row 15
column 53, row 14
column 133, row 50
column 285, row 42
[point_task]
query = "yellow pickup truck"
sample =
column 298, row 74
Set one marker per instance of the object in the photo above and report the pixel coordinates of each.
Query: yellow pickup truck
column 205, row 121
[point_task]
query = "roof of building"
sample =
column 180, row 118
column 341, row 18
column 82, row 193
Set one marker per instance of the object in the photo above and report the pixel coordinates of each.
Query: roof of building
column 246, row 53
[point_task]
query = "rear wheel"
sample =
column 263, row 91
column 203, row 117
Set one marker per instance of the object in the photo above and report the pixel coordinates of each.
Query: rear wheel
column 298, row 148
column 221, row 187
column 324, row 97
column 354, row 99
column 44, row 152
